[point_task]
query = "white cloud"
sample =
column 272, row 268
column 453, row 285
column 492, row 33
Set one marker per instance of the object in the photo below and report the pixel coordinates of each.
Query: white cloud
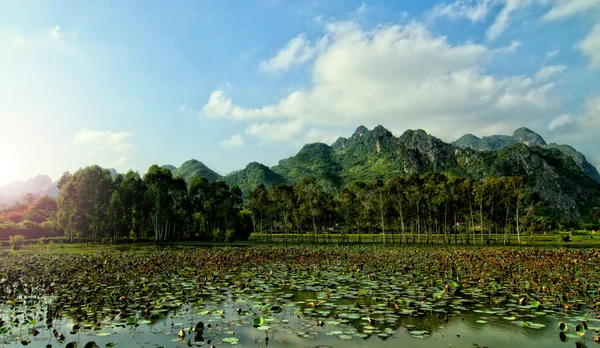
column 234, row 140
column 220, row 106
column 181, row 108
column 590, row 121
column 320, row 135
column 559, row 9
column 561, row 121
column 121, row 161
column 514, row 45
column 401, row 77
column 474, row 10
column 298, row 51
column 43, row 42
column 567, row 8
column 116, row 142
column 590, row 46
column 552, row 54
column 501, row 22
column 276, row 131
column 547, row 72
column 55, row 32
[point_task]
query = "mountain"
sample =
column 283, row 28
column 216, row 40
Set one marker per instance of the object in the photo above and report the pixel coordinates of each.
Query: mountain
column 39, row 186
column 564, row 180
column 169, row 167
column 313, row 160
column 194, row 169
column 254, row 173
column 529, row 138
column 566, row 183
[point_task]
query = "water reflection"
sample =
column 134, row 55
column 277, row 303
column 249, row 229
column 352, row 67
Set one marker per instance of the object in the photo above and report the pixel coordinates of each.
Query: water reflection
column 363, row 317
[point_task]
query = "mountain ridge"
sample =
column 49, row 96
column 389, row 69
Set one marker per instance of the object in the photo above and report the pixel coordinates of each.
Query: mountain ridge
column 559, row 174
column 530, row 138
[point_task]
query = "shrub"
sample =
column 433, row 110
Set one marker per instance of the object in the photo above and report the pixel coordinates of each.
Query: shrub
column 16, row 241
column 230, row 235
column 218, row 235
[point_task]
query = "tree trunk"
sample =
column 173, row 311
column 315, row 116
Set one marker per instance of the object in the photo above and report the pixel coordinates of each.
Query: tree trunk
column 481, row 217
column 518, row 231
column 382, row 222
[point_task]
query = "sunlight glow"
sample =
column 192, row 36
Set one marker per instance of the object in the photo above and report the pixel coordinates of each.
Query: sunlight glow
column 9, row 167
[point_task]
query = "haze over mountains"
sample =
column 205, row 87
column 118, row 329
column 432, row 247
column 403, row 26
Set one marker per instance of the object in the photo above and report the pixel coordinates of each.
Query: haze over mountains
column 558, row 173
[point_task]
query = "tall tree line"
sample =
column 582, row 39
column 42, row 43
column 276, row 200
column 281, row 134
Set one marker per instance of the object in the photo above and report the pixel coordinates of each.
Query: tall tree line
column 94, row 207
column 414, row 209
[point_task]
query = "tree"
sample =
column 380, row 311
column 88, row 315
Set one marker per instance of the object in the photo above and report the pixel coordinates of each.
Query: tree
column 396, row 188
column 309, row 195
column 159, row 182
column 136, row 209
column 285, row 202
column 515, row 187
column 596, row 215
column 414, row 188
column 468, row 194
column 83, row 203
column 377, row 189
column 258, row 203
column 348, row 209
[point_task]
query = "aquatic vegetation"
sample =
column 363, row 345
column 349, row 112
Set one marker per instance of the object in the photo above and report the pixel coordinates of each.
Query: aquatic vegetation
column 257, row 295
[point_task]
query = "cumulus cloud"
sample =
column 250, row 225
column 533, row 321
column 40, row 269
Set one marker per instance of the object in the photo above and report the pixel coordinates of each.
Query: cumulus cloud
column 502, row 19
column 591, row 117
column 558, row 10
column 55, row 32
column 567, row 8
column 590, row 46
column 560, row 121
column 552, row 54
column 298, row 51
column 276, row 131
column 116, row 142
column 475, row 11
column 547, row 72
column 514, row 45
column 401, row 76
column 233, row 141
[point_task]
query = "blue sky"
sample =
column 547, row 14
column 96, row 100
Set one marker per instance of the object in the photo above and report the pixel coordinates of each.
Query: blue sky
column 127, row 84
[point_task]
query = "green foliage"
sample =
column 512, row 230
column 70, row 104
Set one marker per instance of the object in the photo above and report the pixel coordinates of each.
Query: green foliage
column 16, row 241
column 254, row 173
column 194, row 169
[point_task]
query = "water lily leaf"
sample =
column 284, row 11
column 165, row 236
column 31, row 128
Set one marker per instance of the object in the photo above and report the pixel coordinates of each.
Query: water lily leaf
column 110, row 344
column 580, row 330
column 258, row 321
column 131, row 320
column 232, row 340
column 563, row 326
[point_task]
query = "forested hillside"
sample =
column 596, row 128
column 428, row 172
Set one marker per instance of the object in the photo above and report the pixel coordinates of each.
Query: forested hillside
column 412, row 185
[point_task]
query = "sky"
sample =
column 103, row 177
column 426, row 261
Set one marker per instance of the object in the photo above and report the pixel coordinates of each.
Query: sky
column 127, row 84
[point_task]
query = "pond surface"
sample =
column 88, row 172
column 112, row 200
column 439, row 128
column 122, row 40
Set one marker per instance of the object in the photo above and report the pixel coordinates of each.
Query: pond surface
column 354, row 297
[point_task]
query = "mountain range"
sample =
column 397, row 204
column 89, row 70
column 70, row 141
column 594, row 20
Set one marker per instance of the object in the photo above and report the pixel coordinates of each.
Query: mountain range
column 565, row 181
